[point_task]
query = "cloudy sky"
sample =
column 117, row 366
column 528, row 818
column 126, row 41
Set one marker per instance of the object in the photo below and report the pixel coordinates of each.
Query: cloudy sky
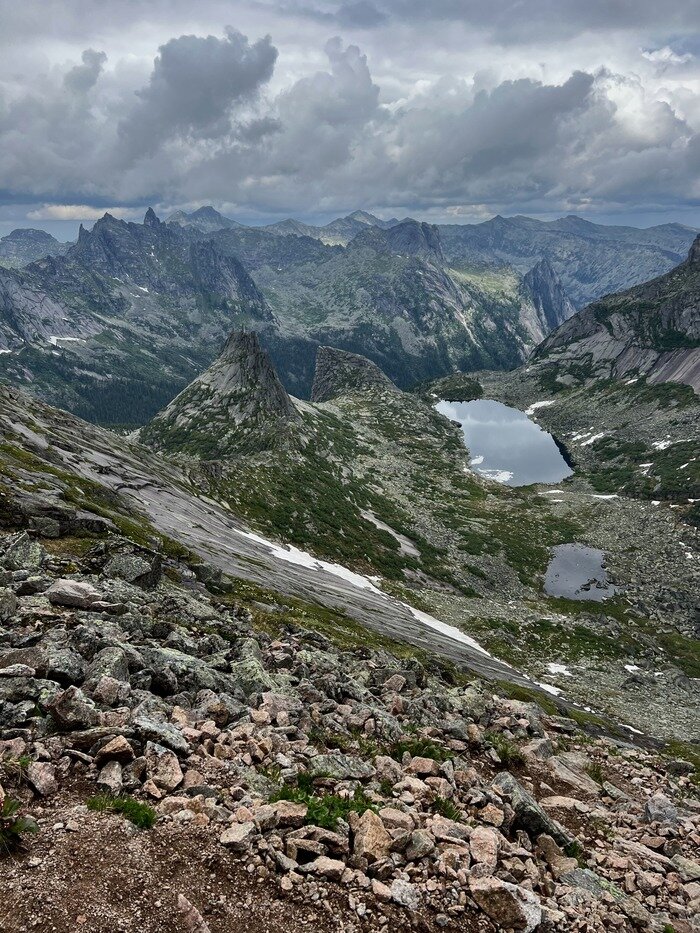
column 448, row 110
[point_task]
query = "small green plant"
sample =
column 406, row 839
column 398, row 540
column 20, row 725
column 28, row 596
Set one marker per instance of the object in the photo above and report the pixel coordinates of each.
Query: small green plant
column 15, row 769
column 595, row 770
column 13, row 825
column 323, row 809
column 508, row 752
column 575, row 850
column 140, row 814
column 446, row 808
column 386, row 788
column 419, row 748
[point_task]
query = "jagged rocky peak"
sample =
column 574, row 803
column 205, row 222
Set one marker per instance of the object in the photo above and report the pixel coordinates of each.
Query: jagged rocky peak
column 151, row 220
column 551, row 301
column 237, row 405
column 340, row 373
column 694, row 254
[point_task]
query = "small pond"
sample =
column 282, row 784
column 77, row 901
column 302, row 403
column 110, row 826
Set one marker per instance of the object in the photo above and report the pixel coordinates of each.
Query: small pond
column 505, row 445
column 578, row 572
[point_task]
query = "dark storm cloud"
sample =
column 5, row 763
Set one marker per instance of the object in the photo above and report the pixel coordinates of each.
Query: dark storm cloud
column 515, row 20
column 193, row 86
column 448, row 107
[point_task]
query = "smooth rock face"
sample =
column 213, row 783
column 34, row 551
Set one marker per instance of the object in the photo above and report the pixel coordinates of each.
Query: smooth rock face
column 651, row 329
column 509, row 905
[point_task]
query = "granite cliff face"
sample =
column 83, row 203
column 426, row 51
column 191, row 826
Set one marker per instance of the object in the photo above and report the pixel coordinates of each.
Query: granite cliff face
column 548, row 295
column 237, row 405
column 652, row 330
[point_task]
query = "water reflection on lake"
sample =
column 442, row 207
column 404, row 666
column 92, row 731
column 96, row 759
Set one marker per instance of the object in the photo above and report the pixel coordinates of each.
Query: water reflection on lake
column 578, row 572
column 505, row 444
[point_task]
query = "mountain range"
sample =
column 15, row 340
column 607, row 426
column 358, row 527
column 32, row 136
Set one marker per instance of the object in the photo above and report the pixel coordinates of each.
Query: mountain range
column 131, row 313
column 115, row 325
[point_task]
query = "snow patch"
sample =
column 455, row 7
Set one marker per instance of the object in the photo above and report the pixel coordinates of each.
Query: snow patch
column 294, row 555
column 559, row 669
column 624, row 725
column 592, row 440
column 475, row 461
column 500, row 476
column 548, row 688
column 56, row 341
column 535, row 405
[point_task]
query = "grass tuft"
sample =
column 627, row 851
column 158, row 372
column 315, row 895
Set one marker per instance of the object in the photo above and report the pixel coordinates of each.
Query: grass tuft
column 140, row 814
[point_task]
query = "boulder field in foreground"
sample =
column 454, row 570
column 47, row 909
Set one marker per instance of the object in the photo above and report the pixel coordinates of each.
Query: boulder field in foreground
column 296, row 783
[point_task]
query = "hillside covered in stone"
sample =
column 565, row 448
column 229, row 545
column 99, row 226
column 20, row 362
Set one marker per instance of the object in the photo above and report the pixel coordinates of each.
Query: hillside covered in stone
column 238, row 737
column 379, row 481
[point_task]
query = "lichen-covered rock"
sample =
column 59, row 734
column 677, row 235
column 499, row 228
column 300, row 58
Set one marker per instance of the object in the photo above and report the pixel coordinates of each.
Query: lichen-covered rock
column 71, row 709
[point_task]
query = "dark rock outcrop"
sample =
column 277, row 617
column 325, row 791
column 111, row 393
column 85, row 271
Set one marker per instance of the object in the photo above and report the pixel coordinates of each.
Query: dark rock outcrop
column 339, row 373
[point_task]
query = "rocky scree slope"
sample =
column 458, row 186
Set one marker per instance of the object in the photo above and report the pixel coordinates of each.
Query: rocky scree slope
column 52, row 463
column 376, row 479
column 250, row 739
column 651, row 330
